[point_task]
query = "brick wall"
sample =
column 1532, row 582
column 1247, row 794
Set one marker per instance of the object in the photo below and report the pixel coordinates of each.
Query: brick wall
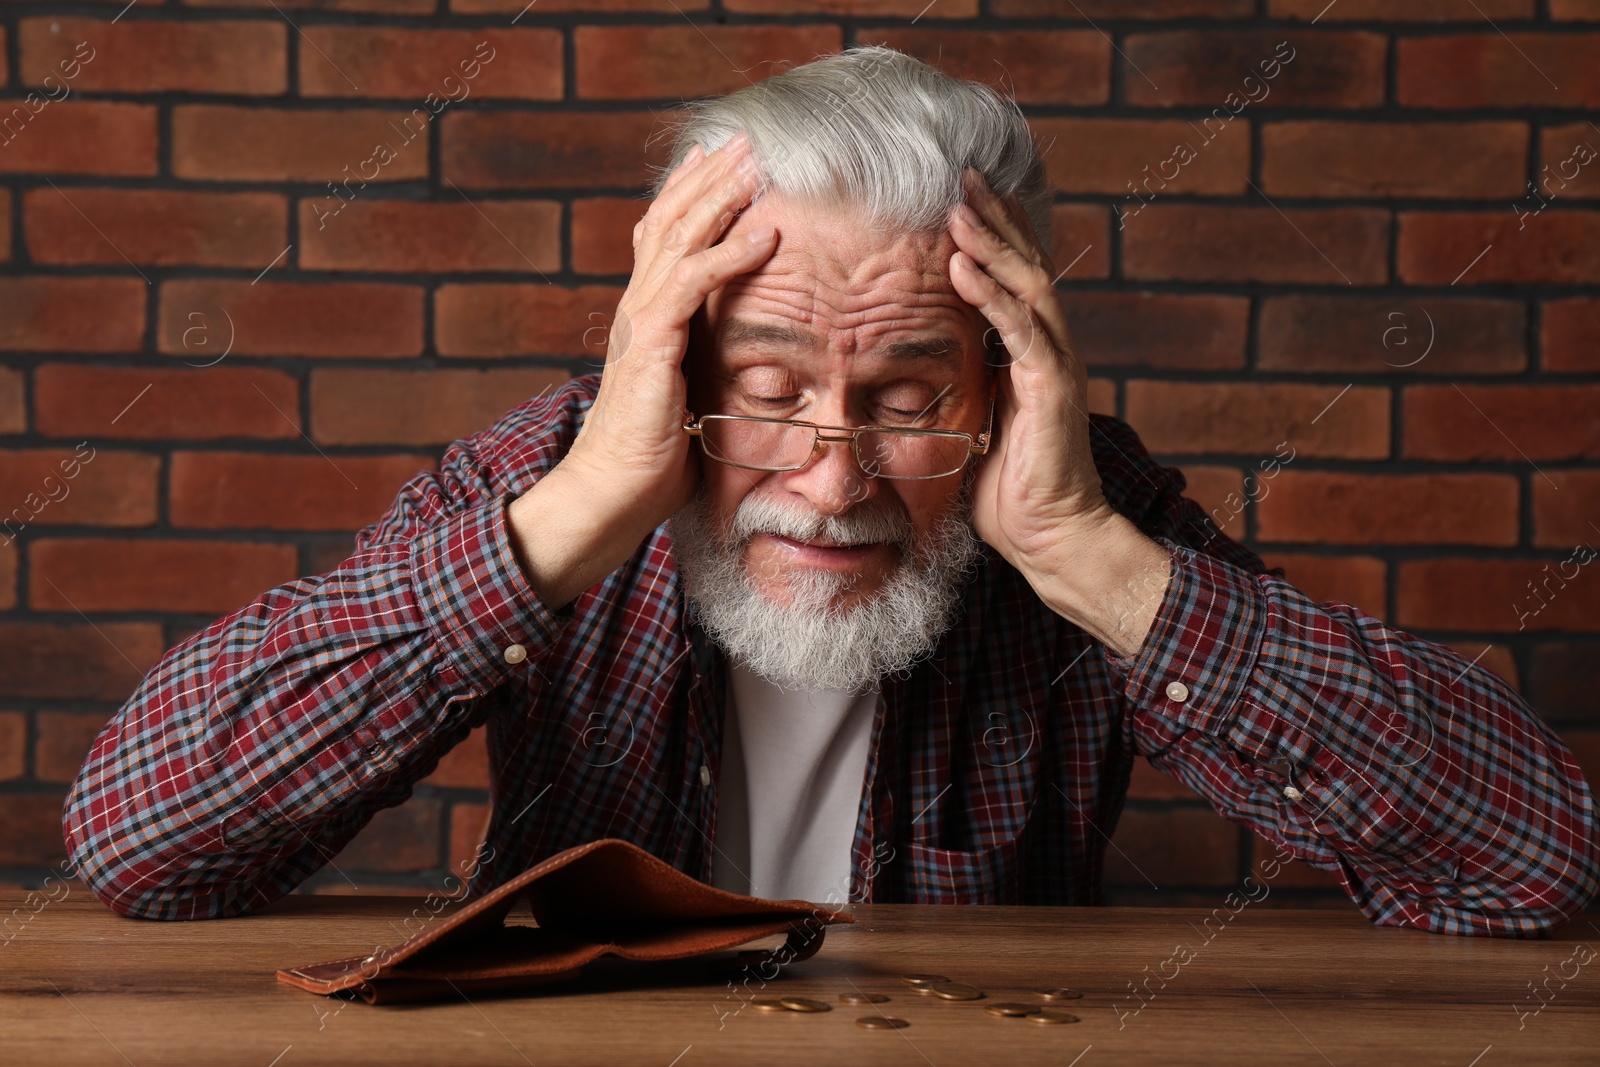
column 221, row 353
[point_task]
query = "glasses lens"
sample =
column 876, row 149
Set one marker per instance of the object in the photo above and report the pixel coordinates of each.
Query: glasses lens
column 911, row 455
column 753, row 443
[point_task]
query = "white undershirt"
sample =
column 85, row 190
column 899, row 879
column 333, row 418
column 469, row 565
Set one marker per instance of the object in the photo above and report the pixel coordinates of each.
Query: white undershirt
column 794, row 763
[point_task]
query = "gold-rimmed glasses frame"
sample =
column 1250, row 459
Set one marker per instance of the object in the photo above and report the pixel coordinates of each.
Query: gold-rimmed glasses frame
column 976, row 446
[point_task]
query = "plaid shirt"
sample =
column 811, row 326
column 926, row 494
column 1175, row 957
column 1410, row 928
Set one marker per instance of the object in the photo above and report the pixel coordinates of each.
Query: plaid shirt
column 255, row 749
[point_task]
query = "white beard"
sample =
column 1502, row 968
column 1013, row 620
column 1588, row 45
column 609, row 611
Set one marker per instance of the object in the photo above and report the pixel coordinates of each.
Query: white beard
column 810, row 643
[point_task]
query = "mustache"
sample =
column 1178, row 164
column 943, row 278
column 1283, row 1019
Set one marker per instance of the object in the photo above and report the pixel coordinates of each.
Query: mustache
column 869, row 522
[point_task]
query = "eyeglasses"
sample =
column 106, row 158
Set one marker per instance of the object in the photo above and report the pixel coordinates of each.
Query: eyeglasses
column 762, row 444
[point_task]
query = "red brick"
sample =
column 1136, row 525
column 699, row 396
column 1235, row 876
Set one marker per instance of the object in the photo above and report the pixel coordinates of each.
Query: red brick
column 5, row 218
column 1458, row 160
column 512, row 7
column 1570, row 335
column 83, row 485
column 1070, row 67
column 159, row 55
column 13, row 745
column 405, row 838
column 1583, row 10
column 1132, row 329
column 299, row 145
column 1359, row 581
column 1397, row 334
column 33, row 830
column 384, row 7
column 243, row 490
column 1562, row 681
column 99, row 574
column 1568, row 167
column 1242, row 244
column 13, row 416
column 547, row 150
column 1102, row 396
column 1125, row 9
column 676, row 61
column 1313, row 507
column 77, row 137
column 1564, row 512
column 1144, row 156
column 1498, row 596
column 8, row 575
column 1513, row 423
column 1491, row 70
column 1497, row 659
column 407, row 236
column 76, row 661
column 602, row 233
column 1220, row 491
column 1253, row 419
column 155, row 226
column 330, row 556
column 65, row 739
column 71, row 314
column 1293, row 68
column 954, row 9
column 1148, row 783
column 73, row 400
column 1585, row 746
column 1181, row 846
column 449, row 64
column 1288, row 874
column 521, row 320
column 1080, row 239
column 467, row 825
column 464, row 767
column 1556, row 246
column 1411, row 11
column 202, row 318
column 350, row 407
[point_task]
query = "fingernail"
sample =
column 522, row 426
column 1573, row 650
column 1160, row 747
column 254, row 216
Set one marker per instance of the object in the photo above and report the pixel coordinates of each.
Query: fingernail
column 969, row 216
column 761, row 235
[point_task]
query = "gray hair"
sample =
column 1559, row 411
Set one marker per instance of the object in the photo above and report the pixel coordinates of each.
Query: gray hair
column 875, row 130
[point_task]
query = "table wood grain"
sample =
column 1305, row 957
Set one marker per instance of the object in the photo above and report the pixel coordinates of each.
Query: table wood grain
column 80, row 985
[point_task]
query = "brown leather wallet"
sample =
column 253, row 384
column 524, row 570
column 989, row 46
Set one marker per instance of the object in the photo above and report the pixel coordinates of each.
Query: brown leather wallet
column 608, row 897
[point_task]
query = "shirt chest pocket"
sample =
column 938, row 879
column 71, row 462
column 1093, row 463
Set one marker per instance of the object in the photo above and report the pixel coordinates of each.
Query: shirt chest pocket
column 951, row 876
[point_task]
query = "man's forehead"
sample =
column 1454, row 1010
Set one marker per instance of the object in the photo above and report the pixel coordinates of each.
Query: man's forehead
column 937, row 343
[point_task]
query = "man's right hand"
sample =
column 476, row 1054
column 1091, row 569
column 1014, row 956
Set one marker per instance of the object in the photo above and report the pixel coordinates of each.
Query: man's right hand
column 631, row 466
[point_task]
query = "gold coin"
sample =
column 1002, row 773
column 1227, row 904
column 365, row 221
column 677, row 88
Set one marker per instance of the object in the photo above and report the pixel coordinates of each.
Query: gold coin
column 923, row 979
column 1059, row 994
column 804, row 1004
column 882, row 1022
column 1052, row 1015
column 768, row 1004
column 862, row 998
column 1016, row 1010
column 957, row 991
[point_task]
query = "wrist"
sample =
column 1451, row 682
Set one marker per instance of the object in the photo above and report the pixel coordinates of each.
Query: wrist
column 567, row 536
column 1106, row 576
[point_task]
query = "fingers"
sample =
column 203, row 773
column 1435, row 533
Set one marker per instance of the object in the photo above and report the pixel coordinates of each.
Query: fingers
column 1014, row 320
column 690, row 161
column 693, row 278
column 690, row 190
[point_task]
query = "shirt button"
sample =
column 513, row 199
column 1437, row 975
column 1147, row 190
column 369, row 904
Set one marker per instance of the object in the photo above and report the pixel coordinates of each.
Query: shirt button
column 1292, row 793
column 515, row 653
column 705, row 774
column 1177, row 691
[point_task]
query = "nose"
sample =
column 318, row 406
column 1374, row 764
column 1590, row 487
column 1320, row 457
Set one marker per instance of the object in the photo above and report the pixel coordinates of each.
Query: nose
column 832, row 481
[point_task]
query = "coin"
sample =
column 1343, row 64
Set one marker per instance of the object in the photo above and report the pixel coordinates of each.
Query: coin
column 957, row 991
column 1016, row 1010
column 1052, row 1015
column 882, row 1022
column 1059, row 994
column 862, row 998
column 923, row 979
column 768, row 1004
column 804, row 1004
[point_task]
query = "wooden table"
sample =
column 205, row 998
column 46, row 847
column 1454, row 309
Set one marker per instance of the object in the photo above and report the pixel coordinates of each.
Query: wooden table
column 79, row 985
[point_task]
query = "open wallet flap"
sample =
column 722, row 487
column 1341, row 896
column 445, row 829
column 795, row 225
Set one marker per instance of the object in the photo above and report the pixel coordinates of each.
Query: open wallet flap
column 608, row 897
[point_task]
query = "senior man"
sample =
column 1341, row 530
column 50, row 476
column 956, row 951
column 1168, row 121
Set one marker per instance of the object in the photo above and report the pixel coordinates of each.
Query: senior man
column 828, row 587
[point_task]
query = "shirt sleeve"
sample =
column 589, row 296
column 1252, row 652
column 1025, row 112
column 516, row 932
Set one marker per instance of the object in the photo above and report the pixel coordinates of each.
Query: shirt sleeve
column 1428, row 786
column 255, row 749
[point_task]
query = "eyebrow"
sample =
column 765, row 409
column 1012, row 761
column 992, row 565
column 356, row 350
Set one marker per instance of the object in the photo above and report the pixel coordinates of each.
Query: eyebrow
column 941, row 347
